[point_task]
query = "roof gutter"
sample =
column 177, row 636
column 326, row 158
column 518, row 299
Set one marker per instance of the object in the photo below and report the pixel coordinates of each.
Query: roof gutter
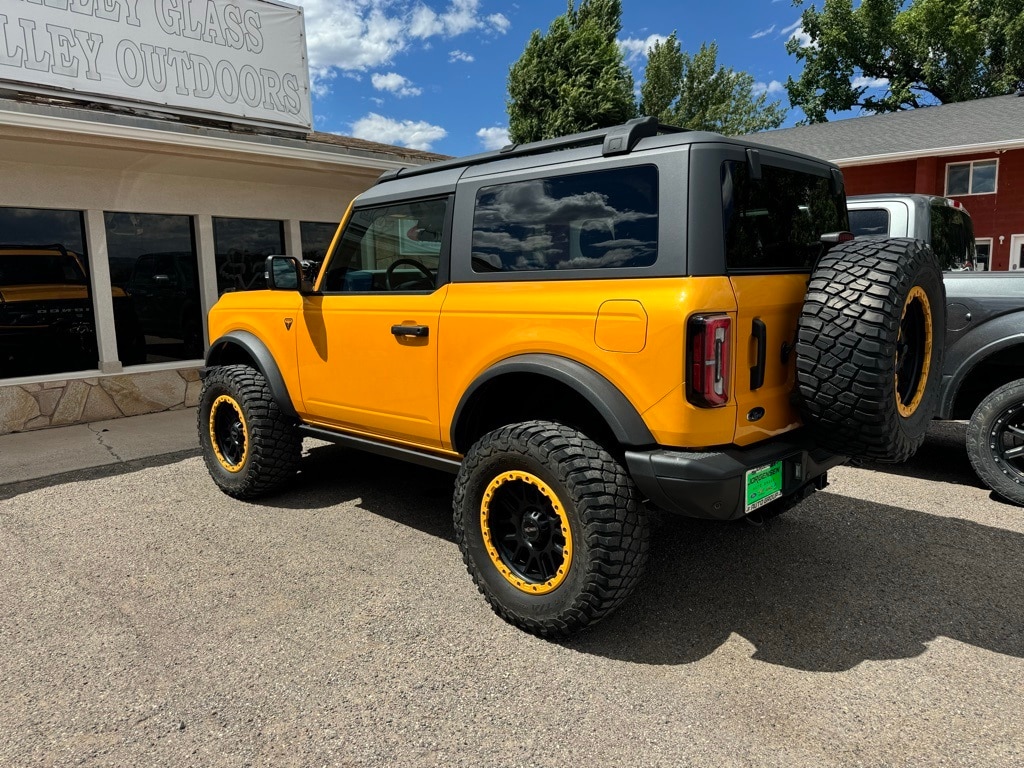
column 253, row 147
column 962, row 149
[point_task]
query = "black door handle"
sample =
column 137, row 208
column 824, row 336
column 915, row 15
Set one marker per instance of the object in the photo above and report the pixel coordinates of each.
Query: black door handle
column 419, row 331
column 760, row 333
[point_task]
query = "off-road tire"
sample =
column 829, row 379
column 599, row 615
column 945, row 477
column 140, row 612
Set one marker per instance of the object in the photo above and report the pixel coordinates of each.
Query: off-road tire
column 543, row 467
column 869, row 348
column 250, row 447
column 995, row 441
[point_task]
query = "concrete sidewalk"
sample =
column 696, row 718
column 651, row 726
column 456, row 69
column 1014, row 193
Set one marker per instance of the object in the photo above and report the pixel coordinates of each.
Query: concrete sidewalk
column 47, row 452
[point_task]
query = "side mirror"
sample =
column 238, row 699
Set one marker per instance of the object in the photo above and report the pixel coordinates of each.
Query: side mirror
column 284, row 273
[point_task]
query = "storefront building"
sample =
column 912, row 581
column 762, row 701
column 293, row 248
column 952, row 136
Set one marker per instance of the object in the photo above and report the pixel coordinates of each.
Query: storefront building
column 120, row 226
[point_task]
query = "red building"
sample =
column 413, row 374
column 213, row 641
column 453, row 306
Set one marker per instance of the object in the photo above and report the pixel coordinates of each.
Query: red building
column 971, row 151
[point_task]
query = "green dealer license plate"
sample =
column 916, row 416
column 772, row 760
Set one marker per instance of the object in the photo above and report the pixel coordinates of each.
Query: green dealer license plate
column 764, row 484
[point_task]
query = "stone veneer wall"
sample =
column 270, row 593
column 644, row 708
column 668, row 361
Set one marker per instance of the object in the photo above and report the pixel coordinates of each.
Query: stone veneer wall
column 78, row 401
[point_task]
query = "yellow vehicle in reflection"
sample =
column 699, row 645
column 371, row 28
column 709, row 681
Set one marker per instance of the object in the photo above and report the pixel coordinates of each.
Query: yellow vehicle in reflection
column 46, row 314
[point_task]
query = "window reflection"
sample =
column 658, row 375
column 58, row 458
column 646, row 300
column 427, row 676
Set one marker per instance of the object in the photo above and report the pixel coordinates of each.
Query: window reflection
column 242, row 247
column 155, row 284
column 46, row 317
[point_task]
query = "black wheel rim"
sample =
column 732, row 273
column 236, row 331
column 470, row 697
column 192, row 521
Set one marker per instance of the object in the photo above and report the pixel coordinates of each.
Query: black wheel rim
column 526, row 532
column 228, row 433
column 1006, row 441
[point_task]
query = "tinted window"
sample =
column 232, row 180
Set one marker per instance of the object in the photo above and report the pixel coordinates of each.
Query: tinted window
column 45, row 297
column 775, row 223
column 869, row 221
column 154, row 279
column 393, row 248
column 952, row 237
column 242, row 247
column 601, row 220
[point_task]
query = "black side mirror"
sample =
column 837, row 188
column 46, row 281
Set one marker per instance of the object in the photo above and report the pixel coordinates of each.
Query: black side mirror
column 284, row 273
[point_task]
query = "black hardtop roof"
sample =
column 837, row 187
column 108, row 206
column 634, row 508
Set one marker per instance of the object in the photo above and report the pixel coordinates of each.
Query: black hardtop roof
column 613, row 141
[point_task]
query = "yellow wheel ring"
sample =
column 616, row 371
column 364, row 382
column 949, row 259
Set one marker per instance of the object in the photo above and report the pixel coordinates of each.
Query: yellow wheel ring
column 908, row 405
column 229, row 436
column 551, row 545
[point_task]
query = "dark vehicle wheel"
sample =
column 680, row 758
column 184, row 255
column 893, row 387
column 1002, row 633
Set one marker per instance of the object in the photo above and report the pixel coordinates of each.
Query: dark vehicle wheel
column 995, row 441
column 551, row 527
column 249, row 446
column 870, row 346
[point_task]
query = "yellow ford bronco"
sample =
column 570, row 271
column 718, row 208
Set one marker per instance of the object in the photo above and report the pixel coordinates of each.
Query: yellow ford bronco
column 582, row 329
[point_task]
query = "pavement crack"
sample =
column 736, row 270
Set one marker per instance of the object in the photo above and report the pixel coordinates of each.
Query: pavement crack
column 100, row 439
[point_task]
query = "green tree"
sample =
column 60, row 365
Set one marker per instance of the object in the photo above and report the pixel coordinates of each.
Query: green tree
column 693, row 91
column 572, row 79
column 891, row 55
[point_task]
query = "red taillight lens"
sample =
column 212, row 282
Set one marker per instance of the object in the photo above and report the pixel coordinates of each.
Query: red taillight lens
column 708, row 360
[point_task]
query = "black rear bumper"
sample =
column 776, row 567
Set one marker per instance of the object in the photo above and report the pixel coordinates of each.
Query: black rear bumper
column 712, row 484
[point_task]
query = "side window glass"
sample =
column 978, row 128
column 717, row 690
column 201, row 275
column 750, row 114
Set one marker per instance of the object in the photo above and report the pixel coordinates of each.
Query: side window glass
column 388, row 249
column 775, row 223
column 869, row 221
column 952, row 238
column 600, row 220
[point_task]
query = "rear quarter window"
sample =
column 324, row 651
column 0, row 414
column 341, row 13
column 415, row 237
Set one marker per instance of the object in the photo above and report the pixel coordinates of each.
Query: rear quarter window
column 596, row 220
column 775, row 223
column 869, row 221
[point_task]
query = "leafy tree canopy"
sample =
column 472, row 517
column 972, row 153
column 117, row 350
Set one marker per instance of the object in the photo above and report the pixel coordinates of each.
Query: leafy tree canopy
column 572, row 79
column 695, row 92
column 920, row 52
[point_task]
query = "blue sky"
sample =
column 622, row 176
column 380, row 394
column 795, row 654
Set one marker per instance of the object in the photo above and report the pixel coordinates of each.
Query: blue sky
column 431, row 74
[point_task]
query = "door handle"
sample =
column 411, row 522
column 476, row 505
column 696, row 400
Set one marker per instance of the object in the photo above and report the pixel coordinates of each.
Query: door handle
column 419, row 331
column 760, row 333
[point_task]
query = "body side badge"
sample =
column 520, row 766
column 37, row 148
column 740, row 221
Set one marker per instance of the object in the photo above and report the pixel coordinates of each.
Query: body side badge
column 288, row 323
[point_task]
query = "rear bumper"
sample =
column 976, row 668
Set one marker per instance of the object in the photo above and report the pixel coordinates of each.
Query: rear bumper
column 712, row 484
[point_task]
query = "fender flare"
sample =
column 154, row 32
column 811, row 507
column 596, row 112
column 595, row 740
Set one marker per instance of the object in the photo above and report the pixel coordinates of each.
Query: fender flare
column 263, row 360
column 625, row 422
column 972, row 349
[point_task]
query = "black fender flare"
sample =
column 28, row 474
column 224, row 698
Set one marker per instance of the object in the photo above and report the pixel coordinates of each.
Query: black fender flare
column 261, row 357
column 625, row 422
column 972, row 349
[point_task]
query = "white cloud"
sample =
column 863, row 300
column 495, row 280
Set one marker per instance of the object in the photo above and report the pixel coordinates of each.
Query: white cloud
column 763, row 33
column 870, row 82
column 633, row 48
column 493, row 138
column 364, row 34
column 460, row 56
column 771, row 88
column 395, row 83
column 415, row 135
column 796, row 31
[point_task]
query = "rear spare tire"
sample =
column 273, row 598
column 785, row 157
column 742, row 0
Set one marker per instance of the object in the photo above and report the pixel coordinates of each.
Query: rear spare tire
column 870, row 346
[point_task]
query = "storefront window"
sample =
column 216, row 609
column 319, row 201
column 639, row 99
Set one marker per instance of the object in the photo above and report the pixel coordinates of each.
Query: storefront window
column 155, row 285
column 242, row 247
column 46, row 314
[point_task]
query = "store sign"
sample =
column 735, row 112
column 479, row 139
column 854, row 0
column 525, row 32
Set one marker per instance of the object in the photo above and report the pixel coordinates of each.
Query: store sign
column 242, row 59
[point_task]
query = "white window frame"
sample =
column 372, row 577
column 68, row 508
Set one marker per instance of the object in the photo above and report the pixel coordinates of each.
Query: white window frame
column 970, row 179
column 984, row 241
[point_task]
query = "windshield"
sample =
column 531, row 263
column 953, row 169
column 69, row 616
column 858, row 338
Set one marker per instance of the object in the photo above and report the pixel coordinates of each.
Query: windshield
column 20, row 268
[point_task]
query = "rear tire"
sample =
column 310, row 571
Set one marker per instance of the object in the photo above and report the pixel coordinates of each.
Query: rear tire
column 250, row 447
column 995, row 441
column 551, row 527
column 870, row 347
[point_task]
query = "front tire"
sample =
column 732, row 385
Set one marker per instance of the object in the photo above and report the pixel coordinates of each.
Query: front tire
column 995, row 441
column 550, row 526
column 250, row 447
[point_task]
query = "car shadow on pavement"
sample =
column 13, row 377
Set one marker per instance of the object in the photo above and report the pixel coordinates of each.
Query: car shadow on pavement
column 409, row 494
column 942, row 458
column 823, row 588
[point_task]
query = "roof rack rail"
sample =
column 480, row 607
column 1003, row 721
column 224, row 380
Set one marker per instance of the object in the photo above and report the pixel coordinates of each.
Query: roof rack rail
column 616, row 140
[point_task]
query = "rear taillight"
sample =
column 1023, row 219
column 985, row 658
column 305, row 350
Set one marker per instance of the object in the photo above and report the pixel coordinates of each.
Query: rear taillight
column 708, row 360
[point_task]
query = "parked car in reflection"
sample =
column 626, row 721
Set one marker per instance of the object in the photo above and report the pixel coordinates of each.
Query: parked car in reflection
column 165, row 291
column 46, row 314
